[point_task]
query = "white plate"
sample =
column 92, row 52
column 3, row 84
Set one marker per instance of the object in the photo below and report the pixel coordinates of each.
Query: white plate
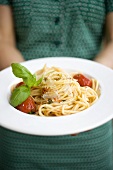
column 96, row 115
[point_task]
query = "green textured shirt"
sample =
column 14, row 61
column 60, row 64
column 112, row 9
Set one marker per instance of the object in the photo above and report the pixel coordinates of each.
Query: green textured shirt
column 46, row 28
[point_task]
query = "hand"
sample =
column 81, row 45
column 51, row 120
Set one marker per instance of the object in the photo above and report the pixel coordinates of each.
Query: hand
column 105, row 57
column 75, row 134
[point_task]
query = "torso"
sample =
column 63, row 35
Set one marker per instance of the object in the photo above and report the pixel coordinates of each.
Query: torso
column 59, row 27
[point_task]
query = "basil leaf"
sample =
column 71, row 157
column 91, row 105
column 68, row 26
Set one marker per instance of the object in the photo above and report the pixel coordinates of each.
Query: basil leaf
column 19, row 95
column 22, row 72
column 29, row 81
column 19, row 70
column 39, row 81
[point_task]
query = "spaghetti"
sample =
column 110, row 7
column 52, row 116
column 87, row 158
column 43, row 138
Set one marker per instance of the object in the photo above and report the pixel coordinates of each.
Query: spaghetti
column 60, row 94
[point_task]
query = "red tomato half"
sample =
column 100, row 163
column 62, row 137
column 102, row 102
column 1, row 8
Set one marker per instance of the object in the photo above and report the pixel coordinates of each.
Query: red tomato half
column 28, row 106
column 82, row 80
column 20, row 84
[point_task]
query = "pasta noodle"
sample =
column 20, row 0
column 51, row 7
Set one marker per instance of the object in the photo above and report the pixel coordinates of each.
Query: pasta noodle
column 60, row 94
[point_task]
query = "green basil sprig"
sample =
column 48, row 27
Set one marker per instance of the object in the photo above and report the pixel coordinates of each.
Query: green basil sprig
column 22, row 72
column 21, row 93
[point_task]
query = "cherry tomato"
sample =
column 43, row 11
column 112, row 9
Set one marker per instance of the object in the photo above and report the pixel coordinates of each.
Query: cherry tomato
column 82, row 80
column 28, row 106
column 19, row 84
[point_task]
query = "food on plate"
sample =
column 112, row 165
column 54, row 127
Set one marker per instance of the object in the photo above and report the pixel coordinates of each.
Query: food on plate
column 52, row 91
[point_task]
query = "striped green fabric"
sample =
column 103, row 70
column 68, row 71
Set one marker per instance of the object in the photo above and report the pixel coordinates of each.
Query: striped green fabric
column 46, row 28
column 88, row 151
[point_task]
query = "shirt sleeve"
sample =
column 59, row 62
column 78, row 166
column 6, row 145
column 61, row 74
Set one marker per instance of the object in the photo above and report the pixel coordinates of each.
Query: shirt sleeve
column 109, row 6
column 4, row 2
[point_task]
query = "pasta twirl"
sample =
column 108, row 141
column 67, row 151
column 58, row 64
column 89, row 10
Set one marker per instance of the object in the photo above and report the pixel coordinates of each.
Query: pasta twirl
column 60, row 94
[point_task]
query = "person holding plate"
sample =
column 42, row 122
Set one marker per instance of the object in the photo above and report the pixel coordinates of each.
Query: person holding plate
column 52, row 28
